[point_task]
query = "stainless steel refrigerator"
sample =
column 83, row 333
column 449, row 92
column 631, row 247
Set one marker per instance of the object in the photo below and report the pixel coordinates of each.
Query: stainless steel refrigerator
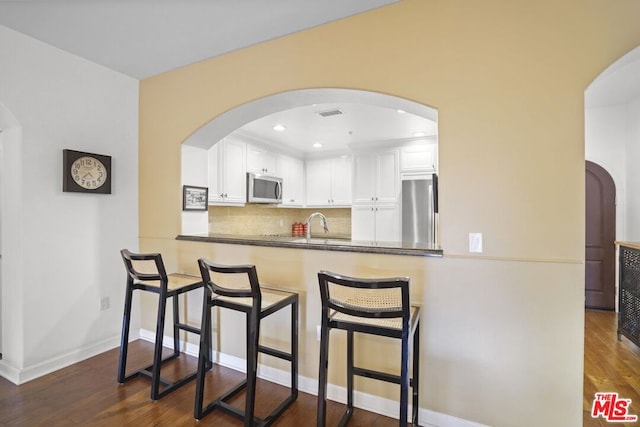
column 420, row 211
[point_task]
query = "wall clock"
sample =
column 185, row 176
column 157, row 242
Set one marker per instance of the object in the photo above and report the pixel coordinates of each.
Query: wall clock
column 86, row 172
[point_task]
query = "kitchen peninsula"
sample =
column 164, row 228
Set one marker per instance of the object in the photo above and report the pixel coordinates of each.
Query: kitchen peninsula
column 319, row 243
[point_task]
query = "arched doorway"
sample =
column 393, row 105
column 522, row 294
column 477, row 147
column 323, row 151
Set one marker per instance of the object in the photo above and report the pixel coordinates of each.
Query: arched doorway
column 600, row 233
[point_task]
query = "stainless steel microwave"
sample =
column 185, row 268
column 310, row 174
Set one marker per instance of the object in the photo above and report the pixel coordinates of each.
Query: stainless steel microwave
column 263, row 188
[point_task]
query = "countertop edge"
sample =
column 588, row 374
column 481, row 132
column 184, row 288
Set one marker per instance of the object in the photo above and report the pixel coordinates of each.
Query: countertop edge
column 318, row 247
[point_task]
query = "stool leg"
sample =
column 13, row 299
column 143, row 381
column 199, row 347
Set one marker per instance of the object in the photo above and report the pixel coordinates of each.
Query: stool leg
column 322, row 374
column 416, row 374
column 294, row 347
column 176, row 322
column 157, row 354
column 204, row 355
column 253, row 332
column 404, row 376
column 349, row 371
column 124, row 338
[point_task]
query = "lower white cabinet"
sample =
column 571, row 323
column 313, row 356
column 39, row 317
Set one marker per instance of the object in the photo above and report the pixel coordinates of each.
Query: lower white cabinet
column 378, row 223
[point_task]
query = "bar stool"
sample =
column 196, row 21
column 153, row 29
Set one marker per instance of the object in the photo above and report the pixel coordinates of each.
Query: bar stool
column 257, row 303
column 146, row 272
column 371, row 306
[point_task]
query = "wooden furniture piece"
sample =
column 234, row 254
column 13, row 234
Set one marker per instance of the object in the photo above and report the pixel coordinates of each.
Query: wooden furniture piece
column 146, row 272
column 629, row 292
column 257, row 303
column 370, row 306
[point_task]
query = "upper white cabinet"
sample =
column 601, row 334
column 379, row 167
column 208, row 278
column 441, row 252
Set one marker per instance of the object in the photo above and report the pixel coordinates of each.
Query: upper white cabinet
column 260, row 160
column 291, row 170
column 419, row 158
column 227, row 172
column 328, row 182
column 377, row 223
column 376, row 177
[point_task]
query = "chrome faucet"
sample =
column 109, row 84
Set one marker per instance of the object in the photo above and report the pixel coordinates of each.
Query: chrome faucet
column 324, row 223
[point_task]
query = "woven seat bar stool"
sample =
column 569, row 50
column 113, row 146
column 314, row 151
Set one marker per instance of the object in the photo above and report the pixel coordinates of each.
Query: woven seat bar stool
column 370, row 306
column 257, row 303
column 146, row 272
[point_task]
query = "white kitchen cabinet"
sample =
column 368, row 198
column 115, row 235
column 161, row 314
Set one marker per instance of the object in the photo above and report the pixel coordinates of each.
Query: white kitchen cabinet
column 419, row 158
column 260, row 160
column 376, row 177
column 227, row 173
column 291, row 170
column 377, row 223
column 328, row 182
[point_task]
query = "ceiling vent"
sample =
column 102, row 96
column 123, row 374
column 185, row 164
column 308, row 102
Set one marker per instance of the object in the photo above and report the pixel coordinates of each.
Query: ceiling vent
column 330, row 113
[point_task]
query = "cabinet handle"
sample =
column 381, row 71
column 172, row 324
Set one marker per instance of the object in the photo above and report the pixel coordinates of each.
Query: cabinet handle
column 371, row 209
column 371, row 197
column 225, row 195
column 376, row 198
column 221, row 195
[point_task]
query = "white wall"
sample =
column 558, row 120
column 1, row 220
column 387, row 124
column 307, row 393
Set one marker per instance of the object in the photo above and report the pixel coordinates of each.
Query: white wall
column 633, row 171
column 195, row 164
column 606, row 137
column 66, row 244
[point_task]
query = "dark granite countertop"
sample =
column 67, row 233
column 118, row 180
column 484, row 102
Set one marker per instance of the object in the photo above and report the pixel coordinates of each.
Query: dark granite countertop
column 318, row 243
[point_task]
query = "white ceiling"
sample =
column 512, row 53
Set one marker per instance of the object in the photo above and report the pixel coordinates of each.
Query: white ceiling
column 142, row 38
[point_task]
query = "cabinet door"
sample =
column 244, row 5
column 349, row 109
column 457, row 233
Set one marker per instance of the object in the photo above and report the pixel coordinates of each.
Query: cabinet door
column 362, row 222
column 318, row 186
column 292, row 172
column 419, row 158
column 387, row 223
column 260, row 160
column 363, row 182
column 387, row 177
column 215, row 190
column 234, row 178
column 341, row 181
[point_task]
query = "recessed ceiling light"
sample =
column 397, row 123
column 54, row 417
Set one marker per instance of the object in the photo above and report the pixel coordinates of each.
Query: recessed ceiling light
column 419, row 133
column 279, row 127
column 401, row 111
column 317, row 145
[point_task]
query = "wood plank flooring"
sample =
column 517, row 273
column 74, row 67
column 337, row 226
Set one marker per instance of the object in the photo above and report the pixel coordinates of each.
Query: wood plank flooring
column 609, row 365
column 87, row 394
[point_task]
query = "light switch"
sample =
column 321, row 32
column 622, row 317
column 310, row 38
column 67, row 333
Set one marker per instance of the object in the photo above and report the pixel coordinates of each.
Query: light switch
column 475, row 243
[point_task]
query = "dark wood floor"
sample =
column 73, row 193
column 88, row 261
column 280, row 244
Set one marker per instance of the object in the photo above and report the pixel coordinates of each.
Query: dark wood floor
column 609, row 365
column 87, row 393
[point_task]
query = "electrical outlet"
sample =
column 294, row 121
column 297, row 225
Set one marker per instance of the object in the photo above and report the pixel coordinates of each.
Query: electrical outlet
column 475, row 243
column 105, row 303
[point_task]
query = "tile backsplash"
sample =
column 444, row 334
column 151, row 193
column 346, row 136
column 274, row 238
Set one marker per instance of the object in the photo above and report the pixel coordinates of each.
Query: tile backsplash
column 259, row 220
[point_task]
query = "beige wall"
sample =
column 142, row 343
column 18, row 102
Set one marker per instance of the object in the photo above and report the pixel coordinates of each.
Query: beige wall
column 508, row 80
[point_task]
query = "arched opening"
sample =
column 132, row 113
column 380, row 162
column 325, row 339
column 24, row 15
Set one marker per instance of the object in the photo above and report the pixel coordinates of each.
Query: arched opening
column 323, row 128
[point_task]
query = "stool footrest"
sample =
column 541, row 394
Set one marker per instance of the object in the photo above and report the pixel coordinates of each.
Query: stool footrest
column 275, row 353
column 222, row 404
column 188, row 328
column 377, row 375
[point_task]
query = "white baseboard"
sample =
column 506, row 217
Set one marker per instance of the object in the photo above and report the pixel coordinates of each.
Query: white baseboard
column 368, row 402
column 21, row 376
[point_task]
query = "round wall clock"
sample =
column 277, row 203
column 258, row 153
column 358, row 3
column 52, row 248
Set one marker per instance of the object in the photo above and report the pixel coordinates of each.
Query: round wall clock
column 86, row 172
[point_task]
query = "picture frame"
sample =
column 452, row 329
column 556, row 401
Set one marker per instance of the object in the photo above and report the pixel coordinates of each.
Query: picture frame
column 194, row 198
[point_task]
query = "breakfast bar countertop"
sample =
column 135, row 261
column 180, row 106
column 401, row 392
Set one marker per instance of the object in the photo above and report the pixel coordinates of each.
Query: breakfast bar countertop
column 319, row 243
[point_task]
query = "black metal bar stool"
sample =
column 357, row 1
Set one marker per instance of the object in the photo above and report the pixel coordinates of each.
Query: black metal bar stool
column 146, row 272
column 370, row 306
column 257, row 303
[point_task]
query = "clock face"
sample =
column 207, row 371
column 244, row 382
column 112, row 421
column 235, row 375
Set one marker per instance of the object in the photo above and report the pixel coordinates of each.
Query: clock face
column 89, row 172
